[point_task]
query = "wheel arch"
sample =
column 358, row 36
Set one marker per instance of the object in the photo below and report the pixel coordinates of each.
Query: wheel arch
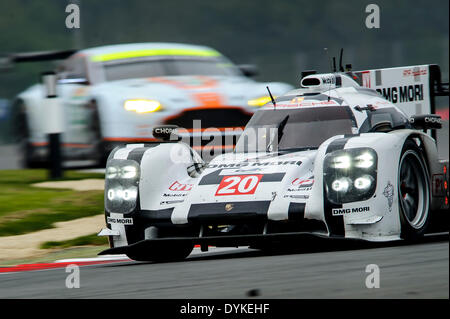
column 430, row 155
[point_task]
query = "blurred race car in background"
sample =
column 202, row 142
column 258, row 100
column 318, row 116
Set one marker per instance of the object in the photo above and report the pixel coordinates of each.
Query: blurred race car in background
column 116, row 94
column 331, row 159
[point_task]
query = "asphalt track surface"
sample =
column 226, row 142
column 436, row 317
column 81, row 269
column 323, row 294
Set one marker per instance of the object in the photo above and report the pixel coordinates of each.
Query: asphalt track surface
column 326, row 270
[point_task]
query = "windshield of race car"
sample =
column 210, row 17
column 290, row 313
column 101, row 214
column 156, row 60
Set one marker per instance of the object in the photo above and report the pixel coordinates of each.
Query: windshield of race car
column 132, row 69
column 272, row 130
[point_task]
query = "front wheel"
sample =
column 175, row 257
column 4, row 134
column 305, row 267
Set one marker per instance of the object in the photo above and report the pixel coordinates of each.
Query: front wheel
column 413, row 192
column 101, row 155
column 22, row 139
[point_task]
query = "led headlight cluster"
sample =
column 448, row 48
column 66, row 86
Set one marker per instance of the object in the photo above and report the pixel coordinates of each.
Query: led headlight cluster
column 350, row 175
column 121, row 186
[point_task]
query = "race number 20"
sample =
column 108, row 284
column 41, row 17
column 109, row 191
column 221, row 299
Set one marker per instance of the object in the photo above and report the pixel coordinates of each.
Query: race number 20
column 238, row 185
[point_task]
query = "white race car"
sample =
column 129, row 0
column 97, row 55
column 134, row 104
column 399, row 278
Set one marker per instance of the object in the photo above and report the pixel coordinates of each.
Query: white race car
column 331, row 159
column 116, row 94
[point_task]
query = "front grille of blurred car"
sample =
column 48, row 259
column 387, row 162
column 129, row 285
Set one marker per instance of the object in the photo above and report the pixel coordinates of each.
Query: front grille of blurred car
column 208, row 145
column 211, row 117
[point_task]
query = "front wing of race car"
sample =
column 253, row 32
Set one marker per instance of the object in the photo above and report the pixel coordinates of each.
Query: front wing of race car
column 140, row 216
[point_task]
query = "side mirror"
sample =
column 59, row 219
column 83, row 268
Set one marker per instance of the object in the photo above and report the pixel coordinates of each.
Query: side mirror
column 426, row 121
column 249, row 70
column 381, row 122
column 165, row 132
column 73, row 81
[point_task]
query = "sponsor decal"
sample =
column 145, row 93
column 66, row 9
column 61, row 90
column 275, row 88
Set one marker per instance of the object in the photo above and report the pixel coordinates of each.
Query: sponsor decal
column 165, row 130
column 175, row 195
column 122, row 221
column 171, row 202
column 366, row 79
column 254, row 164
column 328, row 79
column 298, row 184
column 432, row 119
column 238, row 185
column 346, row 211
column 388, row 192
column 410, row 72
column 296, row 196
column 302, row 183
column 274, row 195
column 402, row 94
column 179, row 187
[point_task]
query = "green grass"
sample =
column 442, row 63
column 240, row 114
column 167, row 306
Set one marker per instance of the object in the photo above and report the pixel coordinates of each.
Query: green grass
column 92, row 240
column 24, row 208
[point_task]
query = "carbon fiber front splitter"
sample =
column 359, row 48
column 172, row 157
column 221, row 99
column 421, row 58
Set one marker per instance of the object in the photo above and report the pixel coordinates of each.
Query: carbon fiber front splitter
column 223, row 241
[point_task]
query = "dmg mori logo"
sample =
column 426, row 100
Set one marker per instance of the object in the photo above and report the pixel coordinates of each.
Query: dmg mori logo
column 345, row 211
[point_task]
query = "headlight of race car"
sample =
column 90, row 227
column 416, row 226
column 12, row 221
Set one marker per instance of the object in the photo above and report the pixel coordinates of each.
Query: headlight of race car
column 121, row 186
column 142, row 106
column 350, row 175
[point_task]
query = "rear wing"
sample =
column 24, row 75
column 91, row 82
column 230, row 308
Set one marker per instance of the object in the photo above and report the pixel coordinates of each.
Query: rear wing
column 412, row 88
column 8, row 61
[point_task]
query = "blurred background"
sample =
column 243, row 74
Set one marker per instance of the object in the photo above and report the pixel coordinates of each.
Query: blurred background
column 281, row 37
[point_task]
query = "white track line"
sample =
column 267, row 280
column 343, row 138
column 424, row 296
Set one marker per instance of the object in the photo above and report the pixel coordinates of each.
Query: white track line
column 195, row 252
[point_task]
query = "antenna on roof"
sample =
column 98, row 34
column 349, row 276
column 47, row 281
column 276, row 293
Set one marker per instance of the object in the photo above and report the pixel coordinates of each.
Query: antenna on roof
column 328, row 58
column 341, row 67
column 334, row 65
column 271, row 97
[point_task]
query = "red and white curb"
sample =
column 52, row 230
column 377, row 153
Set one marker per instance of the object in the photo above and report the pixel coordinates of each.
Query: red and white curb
column 106, row 259
column 43, row 266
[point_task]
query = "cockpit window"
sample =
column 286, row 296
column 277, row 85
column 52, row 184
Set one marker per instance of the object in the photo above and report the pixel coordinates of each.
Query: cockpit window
column 292, row 129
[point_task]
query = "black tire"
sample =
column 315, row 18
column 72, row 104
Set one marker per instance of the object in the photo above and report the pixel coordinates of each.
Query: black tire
column 21, row 134
column 414, row 192
column 100, row 151
column 173, row 252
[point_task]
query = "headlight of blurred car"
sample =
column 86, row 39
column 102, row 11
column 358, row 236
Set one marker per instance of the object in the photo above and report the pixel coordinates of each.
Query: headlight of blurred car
column 121, row 186
column 142, row 106
column 260, row 101
column 350, row 175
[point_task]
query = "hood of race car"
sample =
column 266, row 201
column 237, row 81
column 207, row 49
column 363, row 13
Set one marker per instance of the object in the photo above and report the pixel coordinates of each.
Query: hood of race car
column 246, row 183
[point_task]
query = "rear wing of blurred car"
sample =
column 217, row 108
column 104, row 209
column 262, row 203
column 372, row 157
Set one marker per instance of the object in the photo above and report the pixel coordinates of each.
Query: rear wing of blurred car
column 412, row 88
column 7, row 61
